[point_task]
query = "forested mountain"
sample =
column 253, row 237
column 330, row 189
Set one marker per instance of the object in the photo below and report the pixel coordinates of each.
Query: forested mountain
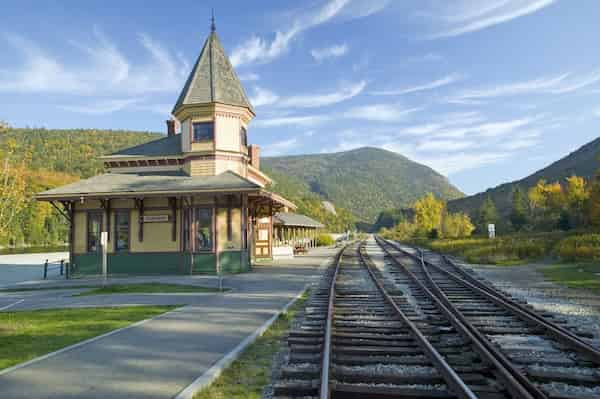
column 582, row 162
column 366, row 180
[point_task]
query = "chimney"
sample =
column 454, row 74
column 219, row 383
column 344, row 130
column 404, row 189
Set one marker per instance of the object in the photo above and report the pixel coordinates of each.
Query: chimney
column 254, row 154
column 171, row 127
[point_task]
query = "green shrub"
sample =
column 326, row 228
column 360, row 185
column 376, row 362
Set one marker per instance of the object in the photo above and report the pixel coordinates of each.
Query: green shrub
column 325, row 240
column 581, row 247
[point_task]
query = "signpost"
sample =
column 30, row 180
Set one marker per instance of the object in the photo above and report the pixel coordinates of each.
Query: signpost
column 104, row 245
column 492, row 230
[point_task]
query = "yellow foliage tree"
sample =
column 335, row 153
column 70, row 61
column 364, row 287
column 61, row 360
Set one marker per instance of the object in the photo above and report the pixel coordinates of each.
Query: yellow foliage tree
column 428, row 213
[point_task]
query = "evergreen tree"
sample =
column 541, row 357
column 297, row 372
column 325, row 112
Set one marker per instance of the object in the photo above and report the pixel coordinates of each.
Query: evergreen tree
column 488, row 214
column 518, row 214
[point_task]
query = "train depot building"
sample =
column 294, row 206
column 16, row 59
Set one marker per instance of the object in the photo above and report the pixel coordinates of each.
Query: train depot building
column 192, row 202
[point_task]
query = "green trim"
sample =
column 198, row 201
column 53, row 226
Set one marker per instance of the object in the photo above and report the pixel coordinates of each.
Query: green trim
column 143, row 263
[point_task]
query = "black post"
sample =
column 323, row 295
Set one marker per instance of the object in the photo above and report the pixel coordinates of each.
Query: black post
column 62, row 264
column 46, row 269
column 67, row 271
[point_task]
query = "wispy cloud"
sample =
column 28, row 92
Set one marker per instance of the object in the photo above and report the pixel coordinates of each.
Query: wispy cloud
column 345, row 92
column 446, row 80
column 465, row 16
column 337, row 50
column 102, row 71
column 260, row 50
column 380, row 112
column 305, row 121
column 100, row 107
column 263, row 97
column 249, row 77
column 558, row 84
column 280, row 147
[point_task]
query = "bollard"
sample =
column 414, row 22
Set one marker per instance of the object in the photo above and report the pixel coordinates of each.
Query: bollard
column 46, row 269
column 67, row 271
column 62, row 264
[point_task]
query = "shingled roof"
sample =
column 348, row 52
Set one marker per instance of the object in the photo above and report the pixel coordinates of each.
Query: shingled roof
column 213, row 79
column 127, row 184
column 165, row 146
column 296, row 220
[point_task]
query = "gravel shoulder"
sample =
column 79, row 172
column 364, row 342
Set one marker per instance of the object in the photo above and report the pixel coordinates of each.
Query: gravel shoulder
column 579, row 306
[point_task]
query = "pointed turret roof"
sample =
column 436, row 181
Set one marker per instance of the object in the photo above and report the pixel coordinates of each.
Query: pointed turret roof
column 213, row 79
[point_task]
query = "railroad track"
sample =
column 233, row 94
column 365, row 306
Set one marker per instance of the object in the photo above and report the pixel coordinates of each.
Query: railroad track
column 361, row 338
column 541, row 356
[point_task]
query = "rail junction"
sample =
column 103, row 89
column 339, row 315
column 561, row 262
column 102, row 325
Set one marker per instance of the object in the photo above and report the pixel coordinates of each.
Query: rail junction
column 424, row 327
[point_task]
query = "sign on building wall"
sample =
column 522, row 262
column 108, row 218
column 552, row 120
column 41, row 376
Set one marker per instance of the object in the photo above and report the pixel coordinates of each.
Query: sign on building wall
column 156, row 218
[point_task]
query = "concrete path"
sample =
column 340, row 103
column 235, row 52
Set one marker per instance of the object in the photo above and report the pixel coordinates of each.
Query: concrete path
column 27, row 268
column 161, row 357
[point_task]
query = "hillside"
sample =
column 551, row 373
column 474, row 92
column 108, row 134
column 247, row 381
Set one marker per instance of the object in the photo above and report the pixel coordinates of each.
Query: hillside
column 366, row 180
column 582, row 162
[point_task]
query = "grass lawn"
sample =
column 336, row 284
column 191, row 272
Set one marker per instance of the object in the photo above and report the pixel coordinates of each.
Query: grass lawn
column 578, row 275
column 147, row 288
column 29, row 334
column 247, row 376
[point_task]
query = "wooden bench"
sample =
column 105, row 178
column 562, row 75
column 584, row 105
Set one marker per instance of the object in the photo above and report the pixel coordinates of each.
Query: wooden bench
column 300, row 249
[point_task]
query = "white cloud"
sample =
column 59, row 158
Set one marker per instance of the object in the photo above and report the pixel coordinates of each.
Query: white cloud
column 100, row 107
column 465, row 16
column 306, row 121
column 380, row 112
column 260, row 50
column 334, row 51
column 446, row 80
column 444, row 145
column 280, row 147
column 249, row 77
column 103, row 71
column 559, row 84
column 596, row 112
column 263, row 97
column 344, row 93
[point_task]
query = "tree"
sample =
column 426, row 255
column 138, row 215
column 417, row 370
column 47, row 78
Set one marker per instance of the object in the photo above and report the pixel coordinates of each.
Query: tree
column 594, row 202
column 457, row 225
column 487, row 214
column 428, row 213
column 576, row 197
column 12, row 193
column 518, row 214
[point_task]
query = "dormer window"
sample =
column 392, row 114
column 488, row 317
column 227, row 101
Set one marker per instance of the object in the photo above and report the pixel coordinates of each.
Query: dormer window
column 243, row 136
column 203, row 131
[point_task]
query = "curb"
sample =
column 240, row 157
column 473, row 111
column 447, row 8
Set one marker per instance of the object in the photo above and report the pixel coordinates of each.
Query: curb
column 213, row 373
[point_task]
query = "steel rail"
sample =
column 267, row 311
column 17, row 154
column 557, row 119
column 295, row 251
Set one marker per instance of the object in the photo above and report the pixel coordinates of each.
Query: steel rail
column 324, row 388
column 456, row 384
column 561, row 333
column 516, row 383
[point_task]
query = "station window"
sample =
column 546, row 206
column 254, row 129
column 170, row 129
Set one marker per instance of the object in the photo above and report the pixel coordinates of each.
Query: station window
column 94, row 227
column 122, row 231
column 243, row 136
column 203, row 131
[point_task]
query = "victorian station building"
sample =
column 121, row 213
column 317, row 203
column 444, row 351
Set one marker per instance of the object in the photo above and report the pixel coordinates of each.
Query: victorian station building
column 191, row 202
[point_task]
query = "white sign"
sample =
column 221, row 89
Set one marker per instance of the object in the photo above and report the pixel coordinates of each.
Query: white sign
column 156, row 218
column 104, row 238
column 492, row 230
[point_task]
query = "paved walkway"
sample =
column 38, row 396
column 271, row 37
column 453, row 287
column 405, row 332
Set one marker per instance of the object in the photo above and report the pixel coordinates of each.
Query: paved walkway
column 27, row 268
column 161, row 357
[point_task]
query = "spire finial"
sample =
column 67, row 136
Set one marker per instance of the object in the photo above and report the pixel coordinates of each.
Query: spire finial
column 212, row 21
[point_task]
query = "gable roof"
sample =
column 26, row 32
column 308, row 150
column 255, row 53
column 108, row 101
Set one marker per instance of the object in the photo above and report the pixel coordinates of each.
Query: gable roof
column 165, row 146
column 296, row 219
column 213, row 79
column 130, row 184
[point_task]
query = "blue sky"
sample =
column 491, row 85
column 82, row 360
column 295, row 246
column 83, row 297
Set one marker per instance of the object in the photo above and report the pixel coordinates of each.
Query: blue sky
column 482, row 91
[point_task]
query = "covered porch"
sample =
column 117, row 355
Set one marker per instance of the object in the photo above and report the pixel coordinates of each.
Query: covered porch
column 294, row 233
